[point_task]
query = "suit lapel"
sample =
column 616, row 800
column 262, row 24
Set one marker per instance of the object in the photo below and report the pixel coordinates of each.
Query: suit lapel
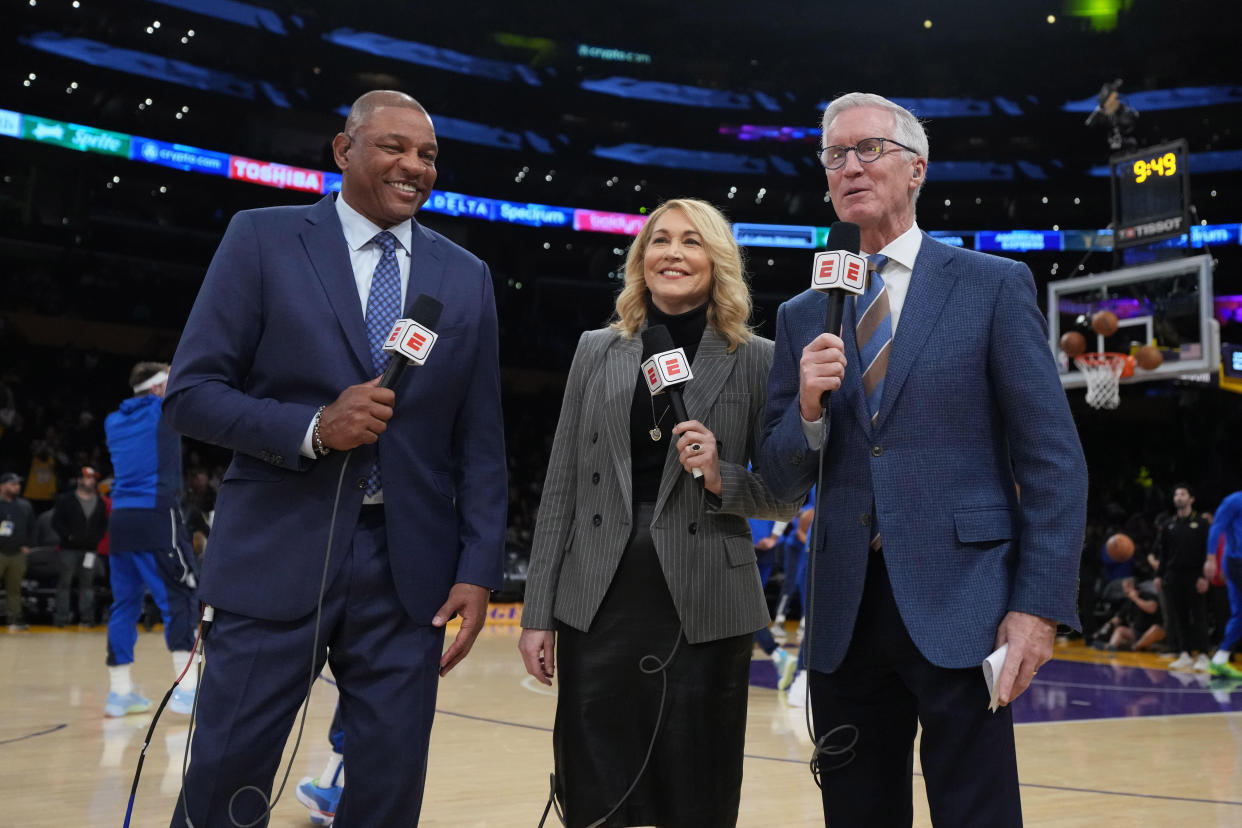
column 324, row 241
column 712, row 365
column 851, row 385
column 426, row 267
column 621, row 376
column 930, row 285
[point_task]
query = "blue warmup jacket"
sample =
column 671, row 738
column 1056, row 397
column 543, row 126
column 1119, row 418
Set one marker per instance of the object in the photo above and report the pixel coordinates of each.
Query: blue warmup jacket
column 146, row 461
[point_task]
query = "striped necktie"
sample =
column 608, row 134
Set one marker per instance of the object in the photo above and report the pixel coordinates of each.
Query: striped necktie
column 874, row 334
column 383, row 308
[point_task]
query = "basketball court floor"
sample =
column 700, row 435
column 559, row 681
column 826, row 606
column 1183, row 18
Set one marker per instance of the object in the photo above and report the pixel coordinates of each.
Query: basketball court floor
column 1104, row 739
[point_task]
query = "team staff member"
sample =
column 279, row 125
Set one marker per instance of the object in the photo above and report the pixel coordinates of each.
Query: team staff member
column 279, row 362
column 945, row 400
column 1181, row 551
column 632, row 557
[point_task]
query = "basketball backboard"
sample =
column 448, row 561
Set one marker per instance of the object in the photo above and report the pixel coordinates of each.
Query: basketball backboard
column 1167, row 304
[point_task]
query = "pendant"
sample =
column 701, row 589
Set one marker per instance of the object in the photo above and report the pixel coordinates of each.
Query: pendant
column 656, row 434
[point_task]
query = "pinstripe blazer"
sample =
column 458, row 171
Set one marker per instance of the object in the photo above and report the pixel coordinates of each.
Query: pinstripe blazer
column 585, row 515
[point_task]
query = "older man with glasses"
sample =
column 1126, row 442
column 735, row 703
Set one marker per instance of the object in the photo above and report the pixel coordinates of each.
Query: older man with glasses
column 945, row 404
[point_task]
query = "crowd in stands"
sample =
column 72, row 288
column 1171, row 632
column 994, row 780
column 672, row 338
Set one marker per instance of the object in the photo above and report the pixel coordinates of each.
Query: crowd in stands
column 53, row 401
column 52, row 405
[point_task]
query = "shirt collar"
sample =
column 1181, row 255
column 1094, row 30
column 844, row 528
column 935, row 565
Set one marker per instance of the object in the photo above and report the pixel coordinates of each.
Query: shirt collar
column 905, row 248
column 359, row 229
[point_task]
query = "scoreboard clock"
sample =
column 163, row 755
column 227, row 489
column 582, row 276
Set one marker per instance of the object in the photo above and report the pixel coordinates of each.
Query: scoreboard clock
column 1151, row 194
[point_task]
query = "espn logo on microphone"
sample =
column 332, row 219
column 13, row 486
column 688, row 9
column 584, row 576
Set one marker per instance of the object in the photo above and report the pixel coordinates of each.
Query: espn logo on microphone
column 412, row 340
column 839, row 270
column 665, row 369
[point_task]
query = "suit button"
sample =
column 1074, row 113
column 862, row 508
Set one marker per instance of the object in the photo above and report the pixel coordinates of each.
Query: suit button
column 595, row 478
column 362, row 482
column 864, row 519
column 876, row 451
column 692, row 528
column 594, row 436
column 597, row 520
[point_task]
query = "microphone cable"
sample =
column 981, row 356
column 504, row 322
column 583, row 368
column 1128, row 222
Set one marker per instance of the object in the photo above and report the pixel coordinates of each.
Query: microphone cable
column 205, row 627
column 650, row 665
column 310, row 684
column 205, row 623
column 849, row 733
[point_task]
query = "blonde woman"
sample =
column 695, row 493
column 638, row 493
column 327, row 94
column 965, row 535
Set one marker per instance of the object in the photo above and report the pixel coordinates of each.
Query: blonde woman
column 647, row 577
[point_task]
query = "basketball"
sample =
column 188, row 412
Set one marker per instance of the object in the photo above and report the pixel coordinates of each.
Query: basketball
column 1149, row 357
column 1073, row 343
column 1119, row 547
column 1104, row 322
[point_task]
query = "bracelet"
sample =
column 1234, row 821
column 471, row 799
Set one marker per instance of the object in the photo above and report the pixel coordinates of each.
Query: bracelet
column 320, row 448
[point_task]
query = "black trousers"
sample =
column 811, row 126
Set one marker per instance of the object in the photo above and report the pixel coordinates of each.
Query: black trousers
column 870, row 708
column 1186, row 610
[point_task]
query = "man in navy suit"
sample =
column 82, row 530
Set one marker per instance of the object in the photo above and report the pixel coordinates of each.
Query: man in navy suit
column 952, row 511
column 279, row 362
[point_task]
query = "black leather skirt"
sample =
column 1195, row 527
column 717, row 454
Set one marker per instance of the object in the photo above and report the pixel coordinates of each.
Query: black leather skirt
column 614, row 697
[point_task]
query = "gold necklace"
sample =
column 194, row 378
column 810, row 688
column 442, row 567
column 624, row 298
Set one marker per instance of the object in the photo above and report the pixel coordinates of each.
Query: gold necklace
column 655, row 432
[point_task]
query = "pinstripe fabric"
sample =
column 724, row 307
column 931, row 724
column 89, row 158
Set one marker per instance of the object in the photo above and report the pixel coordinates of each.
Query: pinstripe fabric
column 585, row 515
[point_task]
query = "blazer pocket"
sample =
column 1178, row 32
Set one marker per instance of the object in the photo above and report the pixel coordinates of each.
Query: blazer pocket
column 740, row 549
column 451, row 331
column 444, row 484
column 244, row 467
column 984, row 526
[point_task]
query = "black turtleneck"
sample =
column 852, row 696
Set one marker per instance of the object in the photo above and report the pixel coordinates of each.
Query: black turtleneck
column 647, row 456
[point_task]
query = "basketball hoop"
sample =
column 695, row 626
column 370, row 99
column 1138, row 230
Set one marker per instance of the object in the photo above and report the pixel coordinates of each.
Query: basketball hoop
column 1103, row 372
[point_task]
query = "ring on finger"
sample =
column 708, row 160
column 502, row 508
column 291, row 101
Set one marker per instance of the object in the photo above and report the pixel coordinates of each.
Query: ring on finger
column 696, row 448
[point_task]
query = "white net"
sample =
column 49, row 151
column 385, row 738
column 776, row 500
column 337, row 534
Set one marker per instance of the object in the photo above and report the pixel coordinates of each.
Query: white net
column 1103, row 373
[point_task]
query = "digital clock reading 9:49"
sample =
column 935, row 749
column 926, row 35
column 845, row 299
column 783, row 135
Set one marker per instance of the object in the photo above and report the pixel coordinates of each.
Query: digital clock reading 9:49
column 1161, row 165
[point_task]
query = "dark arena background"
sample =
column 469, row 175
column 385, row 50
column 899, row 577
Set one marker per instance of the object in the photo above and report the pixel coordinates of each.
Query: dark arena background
column 133, row 131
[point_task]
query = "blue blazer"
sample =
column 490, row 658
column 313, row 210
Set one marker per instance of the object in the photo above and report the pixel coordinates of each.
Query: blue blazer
column 972, row 410
column 277, row 331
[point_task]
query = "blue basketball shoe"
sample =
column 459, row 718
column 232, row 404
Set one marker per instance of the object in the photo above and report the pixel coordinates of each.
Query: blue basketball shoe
column 321, row 802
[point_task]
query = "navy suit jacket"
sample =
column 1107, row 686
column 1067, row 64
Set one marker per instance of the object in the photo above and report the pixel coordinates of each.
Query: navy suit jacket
column 277, row 331
column 972, row 409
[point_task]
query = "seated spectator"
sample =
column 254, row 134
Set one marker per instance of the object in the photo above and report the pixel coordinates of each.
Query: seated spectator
column 1138, row 625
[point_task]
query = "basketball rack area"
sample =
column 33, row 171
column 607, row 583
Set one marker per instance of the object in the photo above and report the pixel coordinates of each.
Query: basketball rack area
column 1168, row 305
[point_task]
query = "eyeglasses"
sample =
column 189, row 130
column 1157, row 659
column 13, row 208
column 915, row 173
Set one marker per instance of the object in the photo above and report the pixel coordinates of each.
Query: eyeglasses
column 867, row 151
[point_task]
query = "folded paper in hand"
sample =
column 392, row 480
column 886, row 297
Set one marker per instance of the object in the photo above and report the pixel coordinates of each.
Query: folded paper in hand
column 992, row 666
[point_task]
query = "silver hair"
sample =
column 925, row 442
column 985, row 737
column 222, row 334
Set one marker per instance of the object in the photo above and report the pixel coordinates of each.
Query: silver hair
column 907, row 129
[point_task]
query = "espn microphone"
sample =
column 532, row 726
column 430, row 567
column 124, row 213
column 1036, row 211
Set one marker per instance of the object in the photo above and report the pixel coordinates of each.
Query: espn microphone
column 837, row 271
column 666, row 369
column 412, row 339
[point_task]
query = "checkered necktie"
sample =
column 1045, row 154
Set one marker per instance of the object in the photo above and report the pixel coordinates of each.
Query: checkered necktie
column 383, row 308
column 874, row 334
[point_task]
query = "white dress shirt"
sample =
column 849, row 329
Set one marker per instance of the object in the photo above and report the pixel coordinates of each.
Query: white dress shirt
column 364, row 255
column 901, row 252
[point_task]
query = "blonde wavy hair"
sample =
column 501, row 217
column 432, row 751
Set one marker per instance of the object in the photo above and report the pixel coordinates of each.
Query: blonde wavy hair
column 728, row 302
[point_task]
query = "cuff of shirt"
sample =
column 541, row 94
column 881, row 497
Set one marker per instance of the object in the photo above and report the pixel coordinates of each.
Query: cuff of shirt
column 813, row 431
column 308, row 447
